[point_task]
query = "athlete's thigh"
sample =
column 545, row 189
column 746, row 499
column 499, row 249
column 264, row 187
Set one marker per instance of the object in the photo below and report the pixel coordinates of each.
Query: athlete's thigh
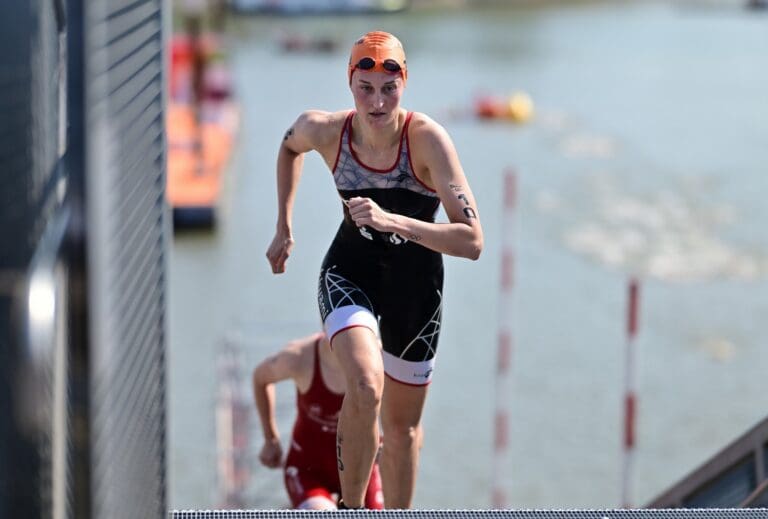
column 345, row 294
column 359, row 354
column 305, row 477
column 402, row 405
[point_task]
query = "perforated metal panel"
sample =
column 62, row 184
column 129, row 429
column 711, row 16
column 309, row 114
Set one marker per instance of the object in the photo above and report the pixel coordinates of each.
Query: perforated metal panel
column 709, row 513
column 126, row 223
column 82, row 259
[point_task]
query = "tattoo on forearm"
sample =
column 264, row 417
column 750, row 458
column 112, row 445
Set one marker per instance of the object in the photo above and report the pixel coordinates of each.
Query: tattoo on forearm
column 288, row 134
column 455, row 187
column 414, row 237
column 339, row 441
column 468, row 211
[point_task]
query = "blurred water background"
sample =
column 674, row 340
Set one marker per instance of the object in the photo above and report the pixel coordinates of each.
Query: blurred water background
column 647, row 156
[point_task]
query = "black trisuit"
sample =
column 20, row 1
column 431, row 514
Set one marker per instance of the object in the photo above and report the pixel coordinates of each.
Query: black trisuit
column 379, row 280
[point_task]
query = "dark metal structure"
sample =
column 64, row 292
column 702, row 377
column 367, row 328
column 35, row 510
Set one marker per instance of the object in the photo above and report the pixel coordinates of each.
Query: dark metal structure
column 737, row 476
column 83, row 230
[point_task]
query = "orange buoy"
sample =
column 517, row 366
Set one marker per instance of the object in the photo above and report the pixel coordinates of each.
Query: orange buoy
column 517, row 107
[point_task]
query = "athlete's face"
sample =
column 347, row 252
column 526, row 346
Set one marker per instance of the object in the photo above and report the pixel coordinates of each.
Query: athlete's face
column 377, row 96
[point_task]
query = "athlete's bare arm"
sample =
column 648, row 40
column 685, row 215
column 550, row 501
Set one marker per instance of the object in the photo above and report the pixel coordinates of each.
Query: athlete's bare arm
column 313, row 130
column 292, row 362
column 437, row 164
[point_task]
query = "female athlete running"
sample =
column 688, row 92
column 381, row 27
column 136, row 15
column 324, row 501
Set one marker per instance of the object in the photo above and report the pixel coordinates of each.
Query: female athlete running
column 380, row 284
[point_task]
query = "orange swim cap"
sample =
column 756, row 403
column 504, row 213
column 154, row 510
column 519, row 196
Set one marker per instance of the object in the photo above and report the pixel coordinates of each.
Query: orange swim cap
column 384, row 51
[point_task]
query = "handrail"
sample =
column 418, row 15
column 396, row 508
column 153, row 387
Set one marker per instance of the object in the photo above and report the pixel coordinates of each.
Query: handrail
column 759, row 494
column 750, row 444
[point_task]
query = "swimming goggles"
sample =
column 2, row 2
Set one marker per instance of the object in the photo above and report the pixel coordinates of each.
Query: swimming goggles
column 388, row 65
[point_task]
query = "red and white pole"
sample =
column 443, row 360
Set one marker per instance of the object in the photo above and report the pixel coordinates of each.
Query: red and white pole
column 505, row 342
column 630, row 396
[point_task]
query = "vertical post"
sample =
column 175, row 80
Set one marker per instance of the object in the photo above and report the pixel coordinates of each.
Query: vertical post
column 505, row 341
column 630, row 399
column 233, row 407
column 79, row 334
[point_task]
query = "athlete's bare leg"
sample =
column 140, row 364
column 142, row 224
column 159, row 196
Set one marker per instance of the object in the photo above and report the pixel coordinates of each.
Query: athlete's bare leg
column 357, row 440
column 400, row 421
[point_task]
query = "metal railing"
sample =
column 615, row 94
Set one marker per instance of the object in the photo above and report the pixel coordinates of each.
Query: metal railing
column 83, row 228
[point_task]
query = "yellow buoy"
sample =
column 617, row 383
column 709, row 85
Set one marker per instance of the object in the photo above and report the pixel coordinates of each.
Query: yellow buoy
column 520, row 107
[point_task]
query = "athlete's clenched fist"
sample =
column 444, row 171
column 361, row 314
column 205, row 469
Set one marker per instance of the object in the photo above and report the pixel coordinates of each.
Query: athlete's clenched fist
column 365, row 211
column 279, row 250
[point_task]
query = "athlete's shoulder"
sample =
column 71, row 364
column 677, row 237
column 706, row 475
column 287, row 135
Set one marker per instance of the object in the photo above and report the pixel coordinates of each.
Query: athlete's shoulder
column 422, row 120
column 425, row 132
column 302, row 351
column 322, row 118
column 321, row 126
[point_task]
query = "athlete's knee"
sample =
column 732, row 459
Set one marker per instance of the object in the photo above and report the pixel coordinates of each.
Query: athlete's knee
column 365, row 393
column 402, row 436
column 317, row 503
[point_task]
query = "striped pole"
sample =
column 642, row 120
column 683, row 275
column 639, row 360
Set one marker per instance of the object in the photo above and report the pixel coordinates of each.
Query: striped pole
column 630, row 398
column 505, row 340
